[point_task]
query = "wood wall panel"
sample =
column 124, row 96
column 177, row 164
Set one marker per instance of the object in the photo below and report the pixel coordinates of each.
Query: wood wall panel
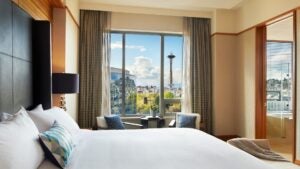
column 39, row 9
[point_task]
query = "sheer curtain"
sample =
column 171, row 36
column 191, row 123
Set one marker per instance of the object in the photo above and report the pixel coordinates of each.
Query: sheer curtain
column 186, row 86
column 105, row 105
column 94, row 58
column 197, row 74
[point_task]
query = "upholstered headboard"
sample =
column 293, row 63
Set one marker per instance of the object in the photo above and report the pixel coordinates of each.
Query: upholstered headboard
column 18, row 65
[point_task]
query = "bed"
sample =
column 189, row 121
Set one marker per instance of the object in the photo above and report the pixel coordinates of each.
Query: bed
column 155, row 149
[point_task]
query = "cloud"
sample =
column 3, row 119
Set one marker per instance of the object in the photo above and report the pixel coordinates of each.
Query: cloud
column 144, row 71
column 279, row 62
column 281, row 57
column 279, row 53
column 148, row 74
column 118, row 45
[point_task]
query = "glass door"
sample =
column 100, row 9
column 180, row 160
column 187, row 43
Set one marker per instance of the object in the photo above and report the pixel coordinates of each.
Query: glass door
column 280, row 86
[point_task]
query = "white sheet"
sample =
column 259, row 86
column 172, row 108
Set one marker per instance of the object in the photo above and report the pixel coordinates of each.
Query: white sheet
column 157, row 149
column 282, row 164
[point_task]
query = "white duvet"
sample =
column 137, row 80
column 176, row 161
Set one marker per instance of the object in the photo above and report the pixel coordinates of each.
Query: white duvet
column 156, row 149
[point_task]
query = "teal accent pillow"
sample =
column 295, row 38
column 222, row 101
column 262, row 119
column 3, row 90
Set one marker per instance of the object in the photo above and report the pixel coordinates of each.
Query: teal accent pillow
column 58, row 144
column 114, row 122
column 186, row 121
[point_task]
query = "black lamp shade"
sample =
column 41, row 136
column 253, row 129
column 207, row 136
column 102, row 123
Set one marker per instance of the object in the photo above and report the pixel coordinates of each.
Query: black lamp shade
column 63, row 83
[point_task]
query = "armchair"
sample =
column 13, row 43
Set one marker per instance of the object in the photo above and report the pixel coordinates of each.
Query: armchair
column 102, row 125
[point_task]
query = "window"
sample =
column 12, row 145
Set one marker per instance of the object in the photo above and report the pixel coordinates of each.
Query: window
column 146, row 70
column 279, row 77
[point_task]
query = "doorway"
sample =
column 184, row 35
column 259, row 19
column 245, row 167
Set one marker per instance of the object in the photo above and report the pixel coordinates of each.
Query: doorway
column 275, row 101
column 280, row 86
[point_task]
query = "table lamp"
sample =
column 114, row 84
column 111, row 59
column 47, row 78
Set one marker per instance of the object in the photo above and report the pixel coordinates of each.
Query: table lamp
column 64, row 83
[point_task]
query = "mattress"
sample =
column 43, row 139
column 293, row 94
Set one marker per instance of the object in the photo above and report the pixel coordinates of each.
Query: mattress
column 170, row 148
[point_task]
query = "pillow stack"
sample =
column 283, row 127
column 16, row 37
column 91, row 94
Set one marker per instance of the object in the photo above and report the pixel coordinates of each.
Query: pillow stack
column 25, row 137
column 19, row 145
column 44, row 119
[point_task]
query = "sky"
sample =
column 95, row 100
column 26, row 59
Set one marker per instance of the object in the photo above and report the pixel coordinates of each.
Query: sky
column 142, row 57
column 279, row 59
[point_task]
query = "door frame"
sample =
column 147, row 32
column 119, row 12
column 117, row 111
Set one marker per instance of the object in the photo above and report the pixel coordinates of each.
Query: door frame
column 260, row 82
column 260, row 89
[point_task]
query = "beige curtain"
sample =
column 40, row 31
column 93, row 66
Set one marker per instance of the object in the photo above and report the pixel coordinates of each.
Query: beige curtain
column 197, row 73
column 186, row 85
column 94, row 57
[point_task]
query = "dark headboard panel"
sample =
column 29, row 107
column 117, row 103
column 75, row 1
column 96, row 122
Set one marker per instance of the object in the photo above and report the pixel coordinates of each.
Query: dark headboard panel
column 42, row 64
column 16, row 59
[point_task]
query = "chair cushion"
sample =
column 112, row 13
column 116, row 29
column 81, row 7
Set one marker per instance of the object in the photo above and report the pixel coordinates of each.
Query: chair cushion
column 186, row 121
column 114, row 122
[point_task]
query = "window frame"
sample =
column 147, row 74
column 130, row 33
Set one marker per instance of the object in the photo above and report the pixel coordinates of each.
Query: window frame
column 162, row 100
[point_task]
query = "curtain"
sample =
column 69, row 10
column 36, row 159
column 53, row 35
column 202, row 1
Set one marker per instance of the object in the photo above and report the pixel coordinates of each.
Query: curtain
column 197, row 72
column 94, row 58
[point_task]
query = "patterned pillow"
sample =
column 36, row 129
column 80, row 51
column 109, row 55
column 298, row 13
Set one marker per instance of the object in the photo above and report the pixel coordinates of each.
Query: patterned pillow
column 186, row 121
column 114, row 122
column 57, row 140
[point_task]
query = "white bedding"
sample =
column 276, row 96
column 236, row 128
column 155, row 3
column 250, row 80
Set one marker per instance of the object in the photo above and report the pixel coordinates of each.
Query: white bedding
column 156, row 149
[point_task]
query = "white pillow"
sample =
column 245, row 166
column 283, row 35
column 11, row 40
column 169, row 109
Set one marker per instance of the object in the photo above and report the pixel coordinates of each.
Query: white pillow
column 35, row 114
column 6, row 116
column 44, row 119
column 19, row 144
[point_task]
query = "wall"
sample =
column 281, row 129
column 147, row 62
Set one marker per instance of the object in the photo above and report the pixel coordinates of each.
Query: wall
column 59, row 41
column 73, row 6
column 224, row 21
column 148, row 23
column 245, row 84
column 253, row 12
column 224, row 65
column 234, row 84
column 143, row 10
column 71, row 60
column 65, row 49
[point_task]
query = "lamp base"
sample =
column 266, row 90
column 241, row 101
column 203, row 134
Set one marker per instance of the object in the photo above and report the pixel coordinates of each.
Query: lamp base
column 62, row 102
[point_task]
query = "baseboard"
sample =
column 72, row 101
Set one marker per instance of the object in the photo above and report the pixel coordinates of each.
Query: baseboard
column 226, row 137
column 297, row 162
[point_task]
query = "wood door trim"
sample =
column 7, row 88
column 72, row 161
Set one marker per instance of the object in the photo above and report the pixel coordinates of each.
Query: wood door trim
column 297, row 162
column 295, row 85
column 260, row 83
column 264, row 23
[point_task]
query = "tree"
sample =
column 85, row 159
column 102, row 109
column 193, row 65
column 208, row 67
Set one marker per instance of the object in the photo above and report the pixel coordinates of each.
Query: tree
column 168, row 95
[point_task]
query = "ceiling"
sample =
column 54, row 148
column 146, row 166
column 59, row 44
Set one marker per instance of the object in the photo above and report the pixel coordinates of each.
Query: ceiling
column 193, row 5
